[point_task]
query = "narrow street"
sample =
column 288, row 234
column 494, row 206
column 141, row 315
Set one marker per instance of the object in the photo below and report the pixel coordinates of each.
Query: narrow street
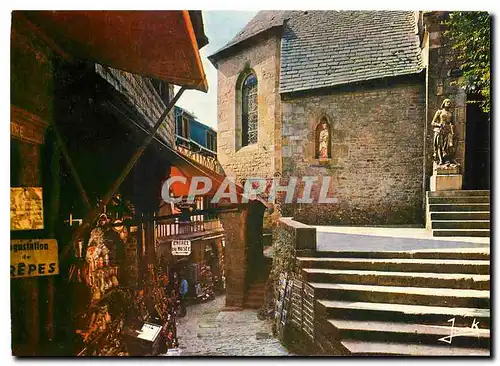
column 329, row 170
column 208, row 330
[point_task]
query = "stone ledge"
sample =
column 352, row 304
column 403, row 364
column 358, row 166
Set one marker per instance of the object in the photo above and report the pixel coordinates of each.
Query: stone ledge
column 446, row 182
column 304, row 235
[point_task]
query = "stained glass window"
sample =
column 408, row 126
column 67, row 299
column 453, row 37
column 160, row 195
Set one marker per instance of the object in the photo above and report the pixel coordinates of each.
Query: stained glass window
column 249, row 111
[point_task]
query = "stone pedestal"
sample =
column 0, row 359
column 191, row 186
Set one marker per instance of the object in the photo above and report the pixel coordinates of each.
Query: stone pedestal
column 446, row 178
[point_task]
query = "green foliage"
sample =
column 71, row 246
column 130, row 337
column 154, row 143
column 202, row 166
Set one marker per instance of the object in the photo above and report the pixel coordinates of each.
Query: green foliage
column 470, row 36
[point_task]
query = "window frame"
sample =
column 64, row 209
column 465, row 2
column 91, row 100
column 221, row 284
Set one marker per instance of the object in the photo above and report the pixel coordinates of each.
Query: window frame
column 246, row 125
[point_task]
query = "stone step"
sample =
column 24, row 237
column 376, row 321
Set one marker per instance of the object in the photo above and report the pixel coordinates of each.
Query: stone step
column 252, row 292
column 460, row 193
column 460, row 215
column 380, row 331
column 366, row 348
column 454, row 207
column 459, row 199
column 464, row 232
column 403, row 313
column 461, row 224
column 256, row 290
column 253, row 305
column 254, row 300
column 402, row 295
column 399, row 264
column 448, row 253
column 259, row 299
column 413, row 279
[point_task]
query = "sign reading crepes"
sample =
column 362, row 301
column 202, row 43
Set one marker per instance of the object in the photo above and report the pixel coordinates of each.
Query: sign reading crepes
column 181, row 247
column 33, row 257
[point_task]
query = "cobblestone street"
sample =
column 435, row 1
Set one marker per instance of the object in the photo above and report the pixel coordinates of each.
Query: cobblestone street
column 208, row 330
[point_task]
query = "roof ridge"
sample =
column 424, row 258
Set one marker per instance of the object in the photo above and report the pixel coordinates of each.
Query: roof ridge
column 260, row 23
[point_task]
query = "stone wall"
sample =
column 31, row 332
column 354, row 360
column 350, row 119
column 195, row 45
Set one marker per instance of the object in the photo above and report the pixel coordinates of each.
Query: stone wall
column 442, row 74
column 291, row 239
column 235, row 256
column 258, row 159
column 377, row 144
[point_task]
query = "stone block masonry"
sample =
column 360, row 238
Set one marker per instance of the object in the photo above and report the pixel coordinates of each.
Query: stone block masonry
column 235, row 257
column 256, row 160
column 443, row 72
column 377, row 142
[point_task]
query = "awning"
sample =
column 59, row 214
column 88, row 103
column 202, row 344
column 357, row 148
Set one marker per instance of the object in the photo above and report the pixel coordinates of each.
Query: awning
column 179, row 189
column 157, row 44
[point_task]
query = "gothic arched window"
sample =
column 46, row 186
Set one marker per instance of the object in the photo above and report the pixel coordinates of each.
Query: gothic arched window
column 249, row 118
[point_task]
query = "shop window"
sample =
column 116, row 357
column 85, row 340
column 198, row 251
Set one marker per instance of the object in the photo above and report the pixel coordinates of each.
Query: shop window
column 162, row 89
column 182, row 126
column 211, row 141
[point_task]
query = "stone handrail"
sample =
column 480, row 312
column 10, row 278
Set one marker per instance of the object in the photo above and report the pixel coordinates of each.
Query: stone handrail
column 303, row 236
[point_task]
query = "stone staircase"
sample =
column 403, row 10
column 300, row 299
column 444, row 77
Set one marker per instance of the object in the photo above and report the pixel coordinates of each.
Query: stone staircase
column 401, row 303
column 459, row 213
column 255, row 296
column 256, row 292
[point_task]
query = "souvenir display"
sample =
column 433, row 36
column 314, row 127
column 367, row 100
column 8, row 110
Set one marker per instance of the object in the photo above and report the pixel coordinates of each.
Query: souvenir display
column 101, row 277
column 150, row 328
column 123, row 317
column 206, row 282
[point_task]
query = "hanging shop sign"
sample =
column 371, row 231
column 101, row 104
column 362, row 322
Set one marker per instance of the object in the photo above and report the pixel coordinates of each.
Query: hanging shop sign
column 26, row 208
column 33, row 257
column 181, row 247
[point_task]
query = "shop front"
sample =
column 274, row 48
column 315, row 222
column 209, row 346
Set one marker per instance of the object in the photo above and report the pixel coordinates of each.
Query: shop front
column 84, row 180
column 198, row 258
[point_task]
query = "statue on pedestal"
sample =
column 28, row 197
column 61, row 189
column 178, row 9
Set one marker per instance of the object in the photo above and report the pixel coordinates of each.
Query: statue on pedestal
column 323, row 140
column 444, row 135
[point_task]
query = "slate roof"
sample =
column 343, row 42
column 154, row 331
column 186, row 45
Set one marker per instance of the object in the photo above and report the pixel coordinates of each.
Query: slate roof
column 263, row 20
column 328, row 48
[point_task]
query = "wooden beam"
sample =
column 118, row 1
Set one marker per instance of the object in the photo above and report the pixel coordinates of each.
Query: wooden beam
column 49, row 42
column 93, row 214
column 72, row 168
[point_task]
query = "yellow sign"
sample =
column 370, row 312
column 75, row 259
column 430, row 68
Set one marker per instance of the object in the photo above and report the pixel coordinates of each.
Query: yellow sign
column 26, row 208
column 33, row 257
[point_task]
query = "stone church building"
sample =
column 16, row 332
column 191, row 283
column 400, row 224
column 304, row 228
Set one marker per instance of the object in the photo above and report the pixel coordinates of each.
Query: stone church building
column 349, row 95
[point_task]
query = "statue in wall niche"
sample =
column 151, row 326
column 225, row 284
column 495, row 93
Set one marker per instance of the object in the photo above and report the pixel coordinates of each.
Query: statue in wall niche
column 444, row 141
column 323, row 142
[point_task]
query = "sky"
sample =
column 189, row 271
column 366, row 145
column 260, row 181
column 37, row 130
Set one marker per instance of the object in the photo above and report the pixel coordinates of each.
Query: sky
column 220, row 28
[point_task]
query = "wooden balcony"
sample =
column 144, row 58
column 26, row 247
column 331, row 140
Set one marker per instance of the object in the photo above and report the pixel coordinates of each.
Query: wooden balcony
column 205, row 157
column 187, row 229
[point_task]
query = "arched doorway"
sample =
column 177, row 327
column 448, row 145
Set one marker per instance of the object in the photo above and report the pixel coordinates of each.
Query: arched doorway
column 477, row 146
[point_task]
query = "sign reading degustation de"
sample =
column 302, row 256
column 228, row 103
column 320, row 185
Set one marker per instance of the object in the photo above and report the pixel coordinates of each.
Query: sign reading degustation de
column 33, row 257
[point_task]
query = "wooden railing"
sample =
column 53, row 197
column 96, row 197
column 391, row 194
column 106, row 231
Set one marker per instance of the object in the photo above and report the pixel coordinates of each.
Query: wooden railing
column 210, row 162
column 179, row 228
